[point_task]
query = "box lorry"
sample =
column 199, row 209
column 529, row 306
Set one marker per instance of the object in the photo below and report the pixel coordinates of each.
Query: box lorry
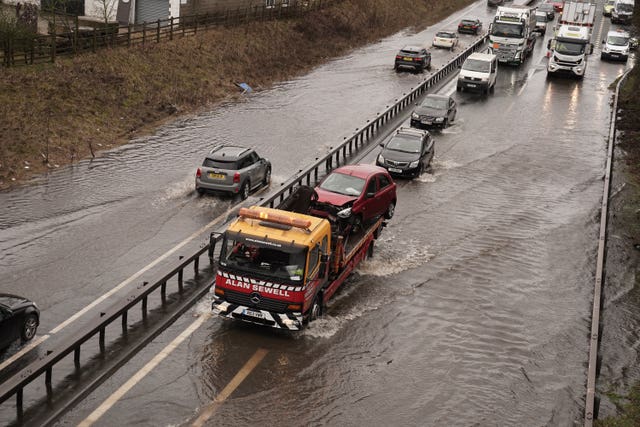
column 512, row 33
column 571, row 45
column 279, row 267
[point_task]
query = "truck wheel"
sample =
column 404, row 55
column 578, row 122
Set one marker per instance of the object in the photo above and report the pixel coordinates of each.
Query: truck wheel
column 29, row 327
column 316, row 308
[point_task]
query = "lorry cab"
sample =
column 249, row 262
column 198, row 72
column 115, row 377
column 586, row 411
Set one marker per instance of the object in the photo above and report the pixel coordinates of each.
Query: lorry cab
column 479, row 72
column 569, row 50
column 622, row 11
column 616, row 46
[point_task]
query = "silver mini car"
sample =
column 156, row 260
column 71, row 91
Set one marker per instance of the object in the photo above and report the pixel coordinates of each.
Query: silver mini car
column 233, row 169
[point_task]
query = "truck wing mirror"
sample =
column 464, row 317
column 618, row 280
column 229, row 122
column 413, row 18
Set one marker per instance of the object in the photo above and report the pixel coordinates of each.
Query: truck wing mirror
column 213, row 239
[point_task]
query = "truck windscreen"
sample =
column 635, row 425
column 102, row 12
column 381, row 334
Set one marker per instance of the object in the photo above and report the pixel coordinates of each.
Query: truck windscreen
column 569, row 48
column 501, row 29
column 264, row 259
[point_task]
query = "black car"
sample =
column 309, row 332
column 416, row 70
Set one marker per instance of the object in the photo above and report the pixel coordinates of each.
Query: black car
column 470, row 25
column 415, row 57
column 408, row 153
column 495, row 2
column 19, row 318
column 548, row 9
column 434, row 111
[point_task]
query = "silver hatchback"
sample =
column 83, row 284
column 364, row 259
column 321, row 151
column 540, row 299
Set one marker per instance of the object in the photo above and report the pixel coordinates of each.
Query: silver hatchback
column 233, row 169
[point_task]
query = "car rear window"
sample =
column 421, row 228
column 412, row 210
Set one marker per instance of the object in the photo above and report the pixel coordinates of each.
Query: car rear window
column 445, row 35
column 468, row 22
column 220, row 164
column 408, row 52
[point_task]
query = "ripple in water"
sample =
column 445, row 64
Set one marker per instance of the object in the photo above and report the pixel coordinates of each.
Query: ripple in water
column 328, row 326
column 392, row 256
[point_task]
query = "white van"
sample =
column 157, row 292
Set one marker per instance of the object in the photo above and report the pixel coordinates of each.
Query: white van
column 622, row 11
column 616, row 46
column 478, row 72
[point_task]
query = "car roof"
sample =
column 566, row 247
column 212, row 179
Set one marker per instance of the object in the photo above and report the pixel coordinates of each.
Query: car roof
column 618, row 32
column 446, row 32
column 437, row 96
column 360, row 170
column 228, row 152
column 482, row 56
column 470, row 19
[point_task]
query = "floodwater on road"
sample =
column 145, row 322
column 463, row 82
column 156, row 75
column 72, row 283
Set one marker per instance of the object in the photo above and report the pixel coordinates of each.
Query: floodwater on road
column 474, row 310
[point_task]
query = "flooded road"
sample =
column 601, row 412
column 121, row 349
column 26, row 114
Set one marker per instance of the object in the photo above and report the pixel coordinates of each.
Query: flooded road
column 474, row 310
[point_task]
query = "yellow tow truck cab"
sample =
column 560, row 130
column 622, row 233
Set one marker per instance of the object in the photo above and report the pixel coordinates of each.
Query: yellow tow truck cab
column 278, row 268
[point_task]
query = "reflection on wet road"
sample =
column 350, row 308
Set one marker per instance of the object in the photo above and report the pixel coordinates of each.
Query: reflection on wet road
column 474, row 310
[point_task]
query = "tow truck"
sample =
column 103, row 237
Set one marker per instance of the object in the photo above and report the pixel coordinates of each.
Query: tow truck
column 278, row 267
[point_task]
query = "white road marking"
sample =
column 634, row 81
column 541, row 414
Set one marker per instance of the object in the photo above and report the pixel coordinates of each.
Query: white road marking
column 22, row 352
column 243, row 373
column 111, row 400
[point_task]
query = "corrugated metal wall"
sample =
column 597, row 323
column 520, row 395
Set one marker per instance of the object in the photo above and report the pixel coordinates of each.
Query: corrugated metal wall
column 152, row 10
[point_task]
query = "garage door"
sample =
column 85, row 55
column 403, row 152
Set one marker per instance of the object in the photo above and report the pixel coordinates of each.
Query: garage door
column 151, row 10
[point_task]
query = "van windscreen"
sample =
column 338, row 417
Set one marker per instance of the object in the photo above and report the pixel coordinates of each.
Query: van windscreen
column 477, row 65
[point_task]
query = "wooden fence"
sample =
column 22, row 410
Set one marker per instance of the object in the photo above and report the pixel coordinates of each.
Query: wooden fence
column 70, row 38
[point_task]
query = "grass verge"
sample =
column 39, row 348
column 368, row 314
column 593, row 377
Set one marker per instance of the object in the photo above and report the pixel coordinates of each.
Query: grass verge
column 56, row 114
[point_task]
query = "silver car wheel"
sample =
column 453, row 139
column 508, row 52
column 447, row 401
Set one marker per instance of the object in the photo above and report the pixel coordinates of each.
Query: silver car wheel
column 29, row 328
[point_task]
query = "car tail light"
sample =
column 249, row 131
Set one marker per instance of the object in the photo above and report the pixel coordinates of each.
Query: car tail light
column 198, row 173
column 236, row 177
column 398, row 56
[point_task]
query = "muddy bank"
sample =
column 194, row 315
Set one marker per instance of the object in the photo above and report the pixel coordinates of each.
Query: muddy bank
column 56, row 114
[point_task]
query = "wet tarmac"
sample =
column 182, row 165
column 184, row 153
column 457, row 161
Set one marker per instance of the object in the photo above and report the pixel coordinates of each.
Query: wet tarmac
column 475, row 309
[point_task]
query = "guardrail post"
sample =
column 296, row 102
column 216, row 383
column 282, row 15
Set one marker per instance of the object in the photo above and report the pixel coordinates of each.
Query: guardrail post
column 180, row 273
column 124, row 322
column 163, row 292
column 158, row 32
column 144, row 307
column 144, row 33
column 129, row 35
column 47, row 379
column 76, row 357
column 19, row 403
column 101, row 340
column 196, row 265
column 171, row 29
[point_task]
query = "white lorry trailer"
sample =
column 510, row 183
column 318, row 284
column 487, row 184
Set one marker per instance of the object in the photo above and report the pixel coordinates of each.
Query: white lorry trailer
column 569, row 49
column 512, row 33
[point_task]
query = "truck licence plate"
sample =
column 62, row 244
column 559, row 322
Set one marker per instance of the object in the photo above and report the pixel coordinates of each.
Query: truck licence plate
column 395, row 170
column 253, row 313
column 216, row 175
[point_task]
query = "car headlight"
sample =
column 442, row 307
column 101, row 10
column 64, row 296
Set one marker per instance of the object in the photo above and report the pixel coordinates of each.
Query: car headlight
column 605, row 49
column 415, row 116
column 414, row 164
column 439, row 119
column 345, row 213
column 380, row 159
